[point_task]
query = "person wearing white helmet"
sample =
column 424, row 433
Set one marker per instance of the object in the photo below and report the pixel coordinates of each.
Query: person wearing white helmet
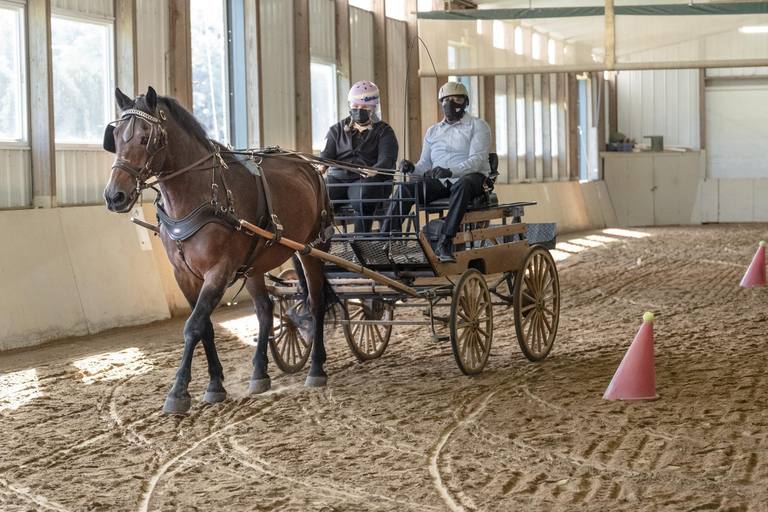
column 363, row 139
column 453, row 163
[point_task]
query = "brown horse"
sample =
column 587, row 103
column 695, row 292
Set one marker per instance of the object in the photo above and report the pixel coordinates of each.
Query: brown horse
column 156, row 141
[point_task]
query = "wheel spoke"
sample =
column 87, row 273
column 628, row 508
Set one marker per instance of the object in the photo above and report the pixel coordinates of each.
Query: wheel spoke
column 527, row 308
column 546, row 324
column 529, row 297
column 530, row 326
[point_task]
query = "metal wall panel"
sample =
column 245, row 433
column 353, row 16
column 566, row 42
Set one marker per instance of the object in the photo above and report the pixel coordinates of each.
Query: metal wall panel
column 660, row 102
column 278, row 90
column 15, row 178
column 152, row 45
column 101, row 8
column 81, row 175
column 322, row 30
column 361, row 36
column 740, row 72
column 396, row 67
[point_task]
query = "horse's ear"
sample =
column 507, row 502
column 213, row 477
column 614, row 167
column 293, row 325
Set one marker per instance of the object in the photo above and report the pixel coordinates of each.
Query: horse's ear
column 123, row 101
column 151, row 98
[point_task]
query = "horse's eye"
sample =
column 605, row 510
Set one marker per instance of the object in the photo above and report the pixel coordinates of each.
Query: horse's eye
column 144, row 140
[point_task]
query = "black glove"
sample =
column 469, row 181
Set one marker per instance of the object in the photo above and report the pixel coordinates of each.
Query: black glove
column 406, row 166
column 441, row 172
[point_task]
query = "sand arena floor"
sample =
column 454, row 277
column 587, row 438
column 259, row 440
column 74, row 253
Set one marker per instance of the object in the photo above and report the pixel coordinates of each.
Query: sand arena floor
column 81, row 428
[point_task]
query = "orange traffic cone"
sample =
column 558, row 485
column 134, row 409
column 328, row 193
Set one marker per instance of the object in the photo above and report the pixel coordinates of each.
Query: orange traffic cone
column 755, row 275
column 635, row 379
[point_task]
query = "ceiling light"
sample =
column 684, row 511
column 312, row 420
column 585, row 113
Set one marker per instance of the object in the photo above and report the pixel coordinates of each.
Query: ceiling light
column 754, row 29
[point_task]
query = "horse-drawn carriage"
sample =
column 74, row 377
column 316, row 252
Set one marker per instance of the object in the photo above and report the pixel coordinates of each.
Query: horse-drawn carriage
column 226, row 214
column 503, row 268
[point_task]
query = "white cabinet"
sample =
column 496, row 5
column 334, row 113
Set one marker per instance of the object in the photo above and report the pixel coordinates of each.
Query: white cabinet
column 654, row 189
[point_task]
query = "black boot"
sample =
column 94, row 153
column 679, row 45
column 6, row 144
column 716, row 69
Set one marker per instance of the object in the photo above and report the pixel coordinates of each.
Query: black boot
column 445, row 249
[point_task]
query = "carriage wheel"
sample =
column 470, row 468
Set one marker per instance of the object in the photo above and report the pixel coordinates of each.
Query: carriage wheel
column 368, row 341
column 289, row 349
column 537, row 304
column 471, row 322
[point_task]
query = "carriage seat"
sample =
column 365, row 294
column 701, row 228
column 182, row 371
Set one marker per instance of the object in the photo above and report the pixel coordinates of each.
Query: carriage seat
column 484, row 200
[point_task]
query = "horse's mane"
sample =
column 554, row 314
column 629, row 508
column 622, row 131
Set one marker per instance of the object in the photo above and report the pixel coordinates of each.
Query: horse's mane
column 186, row 120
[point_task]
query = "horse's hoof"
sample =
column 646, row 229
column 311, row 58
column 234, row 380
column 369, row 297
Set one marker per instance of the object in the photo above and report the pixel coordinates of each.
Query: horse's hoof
column 214, row 397
column 174, row 405
column 259, row 386
column 316, row 382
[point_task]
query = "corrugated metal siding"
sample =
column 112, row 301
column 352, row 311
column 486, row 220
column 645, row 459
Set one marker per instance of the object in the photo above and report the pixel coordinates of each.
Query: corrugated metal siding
column 81, row 175
column 660, row 102
column 152, row 44
column 396, row 68
column 102, row 8
column 361, row 36
column 279, row 109
column 741, row 72
column 322, row 30
column 15, row 178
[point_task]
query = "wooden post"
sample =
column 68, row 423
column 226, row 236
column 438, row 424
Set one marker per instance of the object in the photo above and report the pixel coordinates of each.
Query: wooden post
column 343, row 55
column 253, row 72
column 180, row 52
column 562, row 126
column 439, row 108
column 511, row 129
column 126, row 62
column 415, row 128
column 546, row 128
column 301, row 74
column 572, row 105
column 380, row 60
column 702, row 109
column 489, row 106
column 530, row 130
column 41, row 119
column 610, row 36
column 613, row 105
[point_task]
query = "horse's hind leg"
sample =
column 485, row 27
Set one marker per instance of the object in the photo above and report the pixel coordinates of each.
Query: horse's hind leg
column 178, row 400
column 215, row 392
column 313, row 269
column 260, row 381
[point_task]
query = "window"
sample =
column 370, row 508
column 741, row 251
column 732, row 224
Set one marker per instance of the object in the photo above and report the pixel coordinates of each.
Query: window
column 396, row 9
column 12, row 75
column 324, row 112
column 519, row 41
column 362, row 4
column 210, row 69
column 82, row 79
column 499, row 34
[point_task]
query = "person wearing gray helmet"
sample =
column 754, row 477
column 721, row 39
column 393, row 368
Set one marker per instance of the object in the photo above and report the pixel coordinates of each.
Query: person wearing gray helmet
column 453, row 163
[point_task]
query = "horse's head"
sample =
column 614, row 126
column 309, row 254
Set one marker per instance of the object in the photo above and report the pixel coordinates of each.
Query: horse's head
column 138, row 139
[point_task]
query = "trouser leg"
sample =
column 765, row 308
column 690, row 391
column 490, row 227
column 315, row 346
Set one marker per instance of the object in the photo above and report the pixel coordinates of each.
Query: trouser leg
column 462, row 192
column 361, row 193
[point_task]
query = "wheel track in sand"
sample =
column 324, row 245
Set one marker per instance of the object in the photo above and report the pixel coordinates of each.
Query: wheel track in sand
column 323, row 486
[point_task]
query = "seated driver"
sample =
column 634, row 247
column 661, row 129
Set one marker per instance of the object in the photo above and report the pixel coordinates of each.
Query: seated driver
column 453, row 163
column 364, row 139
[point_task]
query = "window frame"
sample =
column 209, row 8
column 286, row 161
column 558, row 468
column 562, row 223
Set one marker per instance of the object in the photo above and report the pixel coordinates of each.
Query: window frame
column 23, row 84
column 109, row 97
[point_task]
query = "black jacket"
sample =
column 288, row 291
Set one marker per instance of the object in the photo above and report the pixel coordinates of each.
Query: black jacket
column 376, row 147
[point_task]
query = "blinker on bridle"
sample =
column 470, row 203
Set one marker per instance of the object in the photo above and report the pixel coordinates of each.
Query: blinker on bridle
column 157, row 141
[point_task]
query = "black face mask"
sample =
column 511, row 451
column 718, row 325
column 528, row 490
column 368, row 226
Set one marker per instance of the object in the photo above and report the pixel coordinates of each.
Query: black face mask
column 454, row 111
column 360, row 115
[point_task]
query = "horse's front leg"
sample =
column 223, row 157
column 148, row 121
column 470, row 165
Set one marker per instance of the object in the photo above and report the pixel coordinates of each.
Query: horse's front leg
column 178, row 400
column 215, row 392
column 260, row 381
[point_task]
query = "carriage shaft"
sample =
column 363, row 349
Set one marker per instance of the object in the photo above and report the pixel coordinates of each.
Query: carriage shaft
column 322, row 255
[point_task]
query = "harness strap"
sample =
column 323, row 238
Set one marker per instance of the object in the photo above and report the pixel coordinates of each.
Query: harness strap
column 166, row 177
column 276, row 224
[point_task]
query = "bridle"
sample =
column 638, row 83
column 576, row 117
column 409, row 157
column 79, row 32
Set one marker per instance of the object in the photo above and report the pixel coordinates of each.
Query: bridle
column 156, row 142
